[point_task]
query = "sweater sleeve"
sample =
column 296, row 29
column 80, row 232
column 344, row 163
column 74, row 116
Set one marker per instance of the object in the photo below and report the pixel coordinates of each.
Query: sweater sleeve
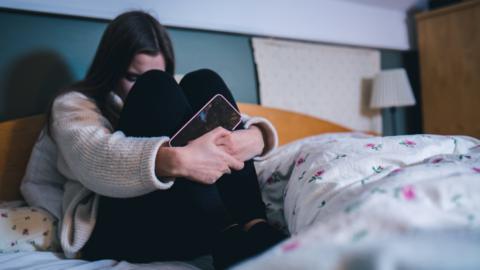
column 106, row 162
column 269, row 134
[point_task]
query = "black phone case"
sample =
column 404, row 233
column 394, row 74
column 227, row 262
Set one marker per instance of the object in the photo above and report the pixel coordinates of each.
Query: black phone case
column 218, row 112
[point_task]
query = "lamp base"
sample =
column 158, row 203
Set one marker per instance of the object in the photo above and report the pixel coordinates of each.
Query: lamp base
column 393, row 111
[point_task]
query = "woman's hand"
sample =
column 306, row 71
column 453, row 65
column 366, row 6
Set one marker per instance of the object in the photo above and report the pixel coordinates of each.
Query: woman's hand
column 243, row 144
column 202, row 160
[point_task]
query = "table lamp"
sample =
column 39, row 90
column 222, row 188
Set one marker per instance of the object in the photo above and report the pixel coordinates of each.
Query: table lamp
column 391, row 89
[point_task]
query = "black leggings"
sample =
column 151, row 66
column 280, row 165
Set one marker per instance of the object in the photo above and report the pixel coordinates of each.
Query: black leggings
column 179, row 223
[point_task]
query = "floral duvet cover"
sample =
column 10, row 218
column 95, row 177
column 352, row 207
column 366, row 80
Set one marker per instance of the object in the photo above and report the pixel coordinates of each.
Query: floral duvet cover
column 349, row 189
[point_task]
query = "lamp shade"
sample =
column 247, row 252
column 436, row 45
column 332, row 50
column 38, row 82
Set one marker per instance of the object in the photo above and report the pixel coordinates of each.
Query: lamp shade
column 391, row 88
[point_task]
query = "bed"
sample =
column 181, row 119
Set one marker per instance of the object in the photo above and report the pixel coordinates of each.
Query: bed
column 350, row 200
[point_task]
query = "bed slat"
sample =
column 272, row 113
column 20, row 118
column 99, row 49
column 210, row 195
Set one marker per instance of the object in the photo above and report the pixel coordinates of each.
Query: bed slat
column 291, row 125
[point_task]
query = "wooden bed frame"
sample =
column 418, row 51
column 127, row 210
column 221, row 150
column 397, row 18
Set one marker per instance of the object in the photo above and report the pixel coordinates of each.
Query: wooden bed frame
column 18, row 136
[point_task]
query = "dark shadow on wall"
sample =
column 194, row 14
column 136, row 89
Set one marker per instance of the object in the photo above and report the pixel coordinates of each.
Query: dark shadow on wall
column 413, row 114
column 32, row 81
column 366, row 95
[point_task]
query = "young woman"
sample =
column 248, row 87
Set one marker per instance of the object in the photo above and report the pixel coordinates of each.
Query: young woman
column 104, row 169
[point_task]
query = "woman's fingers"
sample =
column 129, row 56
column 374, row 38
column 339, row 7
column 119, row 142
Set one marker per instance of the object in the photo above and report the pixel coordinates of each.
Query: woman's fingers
column 212, row 136
column 217, row 146
column 224, row 141
column 232, row 162
column 226, row 146
column 218, row 132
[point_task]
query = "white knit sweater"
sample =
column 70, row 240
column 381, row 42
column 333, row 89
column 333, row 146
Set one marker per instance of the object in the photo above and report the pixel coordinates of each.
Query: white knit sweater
column 87, row 158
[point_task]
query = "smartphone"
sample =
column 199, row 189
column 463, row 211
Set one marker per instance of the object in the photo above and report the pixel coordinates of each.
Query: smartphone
column 218, row 112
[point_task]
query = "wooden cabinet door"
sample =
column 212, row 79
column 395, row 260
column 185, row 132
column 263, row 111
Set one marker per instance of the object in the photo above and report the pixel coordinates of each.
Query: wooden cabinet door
column 449, row 45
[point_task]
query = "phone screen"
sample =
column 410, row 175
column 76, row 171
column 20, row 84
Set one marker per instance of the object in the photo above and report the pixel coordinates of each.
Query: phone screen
column 218, row 112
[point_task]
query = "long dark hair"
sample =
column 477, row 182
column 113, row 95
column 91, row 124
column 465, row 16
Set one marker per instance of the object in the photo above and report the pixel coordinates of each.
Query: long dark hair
column 127, row 35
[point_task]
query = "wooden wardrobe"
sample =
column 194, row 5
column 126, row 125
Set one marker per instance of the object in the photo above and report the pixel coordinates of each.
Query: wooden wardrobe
column 449, row 49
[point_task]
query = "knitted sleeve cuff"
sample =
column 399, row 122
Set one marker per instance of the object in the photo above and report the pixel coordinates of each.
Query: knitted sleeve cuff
column 269, row 134
column 147, row 169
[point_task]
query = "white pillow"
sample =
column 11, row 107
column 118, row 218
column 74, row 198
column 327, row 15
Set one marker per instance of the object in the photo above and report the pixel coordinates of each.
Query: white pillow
column 274, row 172
column 24, row 228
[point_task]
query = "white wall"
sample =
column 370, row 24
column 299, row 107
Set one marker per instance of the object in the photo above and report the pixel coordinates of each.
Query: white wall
column 331, row 21
column 328, row 82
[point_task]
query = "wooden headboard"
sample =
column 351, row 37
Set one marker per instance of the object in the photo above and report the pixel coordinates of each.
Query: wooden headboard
column 18, row 136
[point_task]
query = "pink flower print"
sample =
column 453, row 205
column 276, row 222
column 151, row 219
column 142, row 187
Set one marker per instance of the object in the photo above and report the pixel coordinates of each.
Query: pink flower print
column 300, row 161
column 476, row 169
column 270, row 180
column 373, row 146
column 292, row 245
column 408, row 193
column 437, row 160
column 408, row 143
column 317, row 176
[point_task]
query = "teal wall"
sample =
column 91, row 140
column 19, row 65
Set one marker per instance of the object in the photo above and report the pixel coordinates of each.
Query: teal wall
column 39, row 54
column 230, row 55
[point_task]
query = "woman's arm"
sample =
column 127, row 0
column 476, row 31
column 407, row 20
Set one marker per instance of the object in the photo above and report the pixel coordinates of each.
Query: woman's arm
column 107, row 163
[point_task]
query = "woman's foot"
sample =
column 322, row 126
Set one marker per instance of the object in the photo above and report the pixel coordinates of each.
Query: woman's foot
column 262, row 236
column 252, row 222
column 235, row 243
column 231, row 246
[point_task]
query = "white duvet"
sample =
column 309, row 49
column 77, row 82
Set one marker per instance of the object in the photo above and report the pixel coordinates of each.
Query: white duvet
column 345, row 189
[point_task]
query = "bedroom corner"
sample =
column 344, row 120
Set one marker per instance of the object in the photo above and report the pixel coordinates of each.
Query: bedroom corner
column 314, row 134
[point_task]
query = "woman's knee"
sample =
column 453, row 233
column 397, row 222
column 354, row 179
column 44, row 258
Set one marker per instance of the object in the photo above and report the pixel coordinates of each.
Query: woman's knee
column 201, row 74
column 155, row 106
column 154, row 83
column 201, row 85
